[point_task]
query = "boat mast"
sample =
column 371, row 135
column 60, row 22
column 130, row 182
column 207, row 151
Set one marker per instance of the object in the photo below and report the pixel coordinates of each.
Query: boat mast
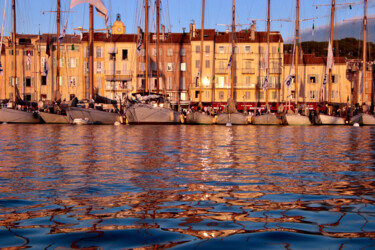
column 14, row 50
column 331, row 41
column 91, row 56
column 58, row 49
column 296, row 54
column 364, row 53
column 268, row 47
column 157, row 44
column 233, row 47
column 146, row 47
column 201, row 58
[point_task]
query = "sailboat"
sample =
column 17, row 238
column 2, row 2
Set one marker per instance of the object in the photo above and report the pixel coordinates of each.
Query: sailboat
column 328, row 119
column 57, row 113
column 199, row 117
column 296, row 118
column 17, row 111
column 268, row 118
column 92, row 115
column 232, row 116
column 364, row 118
column 146, row 109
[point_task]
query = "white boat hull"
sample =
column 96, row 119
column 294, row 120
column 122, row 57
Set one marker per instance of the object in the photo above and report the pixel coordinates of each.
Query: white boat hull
column 266, row 119
column 140, row 113
column 51, row 118
column 234, row 118
column 363, row 119
column 330, row 120
column 93, row 116
column 296, row 120
column 200, row 118
column 18, row 116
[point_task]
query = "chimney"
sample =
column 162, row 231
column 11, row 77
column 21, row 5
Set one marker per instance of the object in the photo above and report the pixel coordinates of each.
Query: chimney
column 191, row 30
column 163, row 32
column 194, row 32
column 252, row 31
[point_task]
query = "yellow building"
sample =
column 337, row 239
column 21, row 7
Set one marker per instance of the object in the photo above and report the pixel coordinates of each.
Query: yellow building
column 311, row 72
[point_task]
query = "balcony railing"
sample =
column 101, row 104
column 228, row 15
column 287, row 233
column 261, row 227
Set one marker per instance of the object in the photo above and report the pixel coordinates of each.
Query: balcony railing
column 248, row 71
column 221, row 70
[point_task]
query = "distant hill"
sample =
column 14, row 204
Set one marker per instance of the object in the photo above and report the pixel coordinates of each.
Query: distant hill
column 349, row 48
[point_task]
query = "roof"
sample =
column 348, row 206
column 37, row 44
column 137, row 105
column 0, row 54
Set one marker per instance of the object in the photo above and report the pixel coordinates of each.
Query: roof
column 209, row 35
column 311, row 59
column 244, row 37
column 53, row 37
column 102, row 37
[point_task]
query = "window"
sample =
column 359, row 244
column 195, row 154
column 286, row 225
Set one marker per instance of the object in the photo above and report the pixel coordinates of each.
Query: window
column 28, row 82
column 248, row 81
column 183, row 52
column 260, row 95
column 169, row 52
column 98, row 82
column 334, row 78
column 198, row 49
column 169, row 84
column 112, row 56
column 142, row 66
column 274, row 49
column 87, row 52
column 274, row 95
column 236, row 50
column 248, row 64
column 183, row 67
column 207, row 94
column 207, row 64
column 313, row 95
column 124, row 54
column 182, row 83
column 61, row 80
column 334, row 94
column 169, row 66
column 247, row 95
column 73, row 81
column 28, row 97
column 220, row 81
column 44, row 80
column 43, row 97
column 221, row 49
column 221, row 65
column 28, row 66
column 197, row 94
column 153, row 51
column 312, row 79
column 221, row 95
column 87, row 67
column 99, row 52
column 207, row 48
column 247, row 49
column 197, row 64
column 62, row 62
column 98, row 67
column 73, row 62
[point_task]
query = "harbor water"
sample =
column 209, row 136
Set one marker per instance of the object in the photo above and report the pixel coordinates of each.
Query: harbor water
column 183, row 187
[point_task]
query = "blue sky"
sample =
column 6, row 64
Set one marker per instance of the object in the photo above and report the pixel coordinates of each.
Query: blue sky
column 177, row 14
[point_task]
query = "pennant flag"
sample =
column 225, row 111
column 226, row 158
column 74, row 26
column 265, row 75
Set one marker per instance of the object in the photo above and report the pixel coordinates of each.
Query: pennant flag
column 48, row 51
column 266, row 84
column 139, row 46
column 330, row 56
column 28, row 60
column 1, row 69
column 100, row 8
column 288, row 80
column 46, row 68
column 72, row 46
column 313, row 29
column 62, row 35
column 325, row 80
column 230, row 62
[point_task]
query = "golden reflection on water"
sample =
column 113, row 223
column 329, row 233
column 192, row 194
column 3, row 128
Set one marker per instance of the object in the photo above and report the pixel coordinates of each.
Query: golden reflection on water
column 204, row 181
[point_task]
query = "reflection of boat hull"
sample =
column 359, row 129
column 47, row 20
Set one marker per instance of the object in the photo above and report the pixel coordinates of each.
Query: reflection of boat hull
column 141, row 113
column 296, row 119
column 363, row 119
column 54, row 118
column 93, row 116
column 330, row 120
column 18, row 116
column 266, row 119
column 200, row 118
column 234, row 118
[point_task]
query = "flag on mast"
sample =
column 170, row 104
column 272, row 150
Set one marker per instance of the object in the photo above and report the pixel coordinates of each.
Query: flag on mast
column 330, row 56
column 100, row 7
column 139, row 46
column 48, row 51
column 325, row 80
column 288, row 80
column 313, row 29
column 28, row 60
column 230, row 62
column 266, row 83
column 46, row 68
column 62, row 35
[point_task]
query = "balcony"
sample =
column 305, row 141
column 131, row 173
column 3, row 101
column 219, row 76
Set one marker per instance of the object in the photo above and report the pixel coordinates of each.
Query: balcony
column 221, row 70
column 275, row 70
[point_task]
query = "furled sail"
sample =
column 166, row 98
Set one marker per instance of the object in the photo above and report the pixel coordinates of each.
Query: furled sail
column 100, row 8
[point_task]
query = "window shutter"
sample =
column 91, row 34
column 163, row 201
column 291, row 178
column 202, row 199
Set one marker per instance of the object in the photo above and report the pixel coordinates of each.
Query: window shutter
column 32, row 81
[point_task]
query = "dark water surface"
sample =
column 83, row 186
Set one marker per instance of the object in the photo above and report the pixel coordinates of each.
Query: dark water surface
column 203, row 187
